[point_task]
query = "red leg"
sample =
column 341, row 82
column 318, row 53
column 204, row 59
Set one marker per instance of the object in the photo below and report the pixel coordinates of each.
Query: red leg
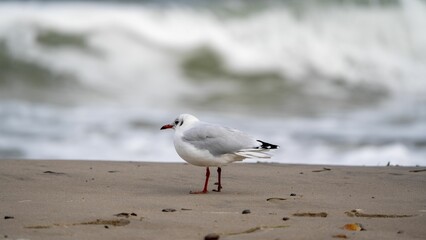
column 219, row 178
column 205, row 183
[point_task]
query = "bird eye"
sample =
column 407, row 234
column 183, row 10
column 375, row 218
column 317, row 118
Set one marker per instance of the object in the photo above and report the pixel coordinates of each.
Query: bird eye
column 176, row 122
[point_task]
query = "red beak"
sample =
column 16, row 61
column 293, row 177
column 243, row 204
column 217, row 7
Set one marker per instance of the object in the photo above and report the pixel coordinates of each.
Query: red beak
column 166, row 126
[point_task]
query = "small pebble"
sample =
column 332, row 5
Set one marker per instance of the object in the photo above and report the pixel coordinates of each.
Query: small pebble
column 400, row 231
column 246, row 211
column 293, row 194
column 106, row 227
column 169, row 210
column 354, row 227
column 133, row 214
column 9, row 217
column 285, row 218
column 211, row 236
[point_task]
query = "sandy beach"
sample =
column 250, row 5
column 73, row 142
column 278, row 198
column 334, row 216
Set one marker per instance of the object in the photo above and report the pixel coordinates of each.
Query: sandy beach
column 137, row 200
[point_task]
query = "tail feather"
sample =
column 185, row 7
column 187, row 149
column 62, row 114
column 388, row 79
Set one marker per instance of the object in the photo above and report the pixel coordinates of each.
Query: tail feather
column 266, row 145
column 253, row 153
column 257, row 152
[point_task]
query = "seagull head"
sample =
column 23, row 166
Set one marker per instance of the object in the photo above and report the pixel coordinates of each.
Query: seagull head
column 182, row 121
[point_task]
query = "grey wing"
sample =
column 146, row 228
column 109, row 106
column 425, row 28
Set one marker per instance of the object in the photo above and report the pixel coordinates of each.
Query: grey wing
column 218, row 140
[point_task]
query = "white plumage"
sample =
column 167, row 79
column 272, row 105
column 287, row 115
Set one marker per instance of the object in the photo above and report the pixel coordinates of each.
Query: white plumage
column 210, row 145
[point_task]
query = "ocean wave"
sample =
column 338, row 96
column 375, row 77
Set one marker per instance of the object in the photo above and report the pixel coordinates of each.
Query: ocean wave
column 333, row 82
column 341, row 52
column 39, row 131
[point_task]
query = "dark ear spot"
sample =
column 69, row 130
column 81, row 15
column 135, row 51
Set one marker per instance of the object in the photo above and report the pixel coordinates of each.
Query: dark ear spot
column 181, row 123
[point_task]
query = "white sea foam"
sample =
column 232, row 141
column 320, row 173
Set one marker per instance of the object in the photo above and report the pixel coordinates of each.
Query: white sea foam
column 142, row 46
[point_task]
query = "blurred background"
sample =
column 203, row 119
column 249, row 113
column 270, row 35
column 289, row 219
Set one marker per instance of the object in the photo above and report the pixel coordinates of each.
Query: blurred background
column 332, row 82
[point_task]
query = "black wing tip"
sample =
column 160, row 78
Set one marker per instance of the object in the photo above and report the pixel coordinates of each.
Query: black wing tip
column 266, row 145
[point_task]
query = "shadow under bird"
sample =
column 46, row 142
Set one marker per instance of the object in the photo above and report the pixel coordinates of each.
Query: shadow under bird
column 210, row 145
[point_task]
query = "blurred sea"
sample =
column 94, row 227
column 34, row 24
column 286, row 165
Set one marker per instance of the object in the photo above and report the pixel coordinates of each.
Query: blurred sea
column 332, row 82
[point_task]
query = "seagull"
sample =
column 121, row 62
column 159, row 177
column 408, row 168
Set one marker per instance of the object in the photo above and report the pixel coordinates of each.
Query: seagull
column 209, row 145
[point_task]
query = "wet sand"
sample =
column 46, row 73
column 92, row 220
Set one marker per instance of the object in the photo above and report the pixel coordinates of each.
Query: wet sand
column 137, row 200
